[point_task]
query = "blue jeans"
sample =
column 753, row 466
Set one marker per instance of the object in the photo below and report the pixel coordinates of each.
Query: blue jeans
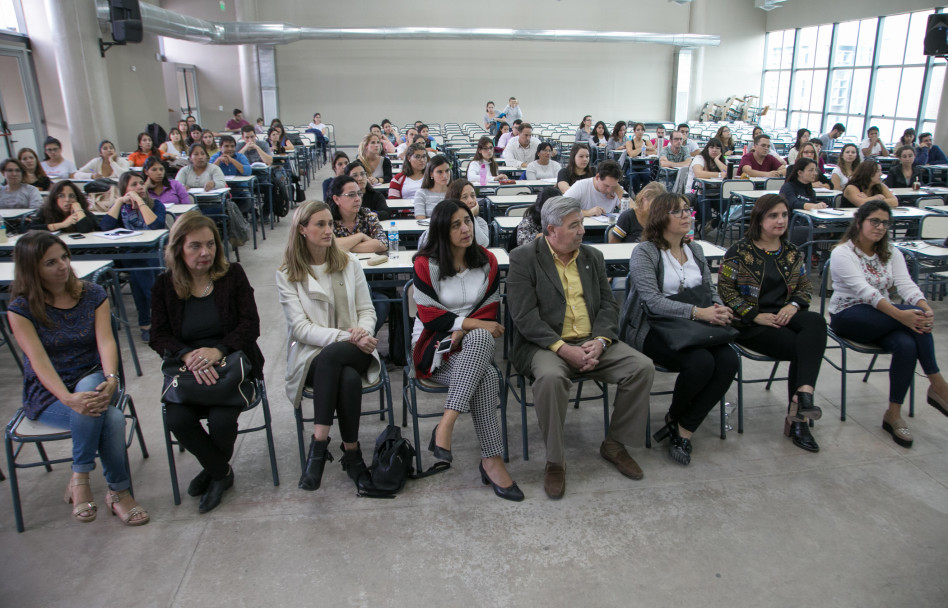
column 864, row 323
column 104, row 434
column 141, row 282
column 382, row 308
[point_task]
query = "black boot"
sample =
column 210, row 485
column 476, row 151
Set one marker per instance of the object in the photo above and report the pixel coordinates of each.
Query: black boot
column 354, row 465
column 798, row 430
column 315, row 463
column 805, row 407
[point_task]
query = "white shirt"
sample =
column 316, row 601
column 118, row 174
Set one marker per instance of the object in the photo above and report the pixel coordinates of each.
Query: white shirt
column 537, row 171
column 474, row 172
column 63, row 169
column 876, row 149
column 675, row 274
column 458, row 294
column 697, row 162
column 585, row 192
column 843, row 180
column 516, row 155
column 410, row 187
column 862, row 279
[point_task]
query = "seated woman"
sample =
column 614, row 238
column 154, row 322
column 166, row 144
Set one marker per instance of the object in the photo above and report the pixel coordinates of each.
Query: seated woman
column 339, row 161
column 145, row 150
column 584, row 131
column 55, row 165
column 504, row 128
column 387, row 146
column 35, row 175
column 330, row 332
column 576, row 169
column 763, row 280
column 798, row 191
column 631, row 222
column 865, row 268
column 176, row 149
column 866, row 185
column 492, row 118
column 162, row 189
column 195, row 135
column 408, row 181
column 617, row 139
column 908, row 138
column 135, row 210
column 14, row 194
column 872, row 146
column 200, row 173
column 107, row 164
column 530, row 227
column 458, row 296
column 209, row 141
column 463, row 190
column 434, row 185
column 376, row 164
column 905, row 174
column 285, row 144
column 372, row 199
column 810, row 150
column 638, row 146
column 70, row 371
column 727, row 140
column 599, row 138
column 65, row 210
column 803, row 136
column 543, row 166
column 845, row 166
column 483, row 159
column 709, row 164
column 663, row 265
column 203, row 310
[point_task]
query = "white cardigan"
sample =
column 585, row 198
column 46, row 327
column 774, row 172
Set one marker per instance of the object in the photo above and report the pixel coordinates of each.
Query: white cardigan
column 119, row 166
column 862, row 279
column 307, row 308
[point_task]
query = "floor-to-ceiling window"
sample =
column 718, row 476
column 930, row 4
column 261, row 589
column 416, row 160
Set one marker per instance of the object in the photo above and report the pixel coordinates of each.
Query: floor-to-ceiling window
column 863, row 73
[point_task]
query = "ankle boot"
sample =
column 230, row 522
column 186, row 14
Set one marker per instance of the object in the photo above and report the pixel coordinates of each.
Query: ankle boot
column 805, row 407
column 315, row 463
column 353, row 464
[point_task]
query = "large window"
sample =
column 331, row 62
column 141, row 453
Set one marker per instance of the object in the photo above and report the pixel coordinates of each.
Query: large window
column 860, row 73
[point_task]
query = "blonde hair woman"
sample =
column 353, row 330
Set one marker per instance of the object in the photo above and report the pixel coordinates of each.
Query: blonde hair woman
column 376, row 165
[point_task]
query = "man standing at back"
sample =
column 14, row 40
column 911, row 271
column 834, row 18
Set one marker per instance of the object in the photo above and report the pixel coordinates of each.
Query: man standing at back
column 513, row 112
column 565, row 320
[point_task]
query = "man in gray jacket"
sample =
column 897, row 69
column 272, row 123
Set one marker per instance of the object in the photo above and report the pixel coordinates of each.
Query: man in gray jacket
column 565, row 319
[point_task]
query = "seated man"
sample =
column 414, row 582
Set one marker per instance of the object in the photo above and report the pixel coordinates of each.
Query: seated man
column 522, row 151
column 236, row 123
column 255, row 151
column 409, row 138
column 601, row 194
column 565, row 319
column 928, row 154
column 689, row 144
column 759, row 162
column 828, row 139
column 231, row 164
column 511, row 134
column 675, row 154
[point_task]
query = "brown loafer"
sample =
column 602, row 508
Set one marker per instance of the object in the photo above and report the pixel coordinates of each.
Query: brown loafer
column 615, row 452
column 554, row 480
column 935, row 400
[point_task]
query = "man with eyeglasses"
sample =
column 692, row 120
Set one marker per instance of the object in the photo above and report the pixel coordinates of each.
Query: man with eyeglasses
column 675, row 155
column 759, row 162
column 14, row 194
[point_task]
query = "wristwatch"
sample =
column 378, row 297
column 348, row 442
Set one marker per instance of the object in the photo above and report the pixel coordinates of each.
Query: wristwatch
column 605, row 344
column 795, row 305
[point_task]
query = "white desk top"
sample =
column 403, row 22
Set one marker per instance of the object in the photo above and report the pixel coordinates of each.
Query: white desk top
column 753, row 195
column 621, row 252
column 848, row 213
column 12, row 214
column 178, row 209
column 404, row 262
column 95, row 240
column 83, row 269
column 514, row 199
column 923, row 249
column 509, row 223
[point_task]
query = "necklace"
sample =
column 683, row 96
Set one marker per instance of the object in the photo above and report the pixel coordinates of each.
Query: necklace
column 208, row 288
column 679, row 269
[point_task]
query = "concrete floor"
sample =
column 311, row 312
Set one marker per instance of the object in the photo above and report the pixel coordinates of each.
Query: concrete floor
column 752, row 521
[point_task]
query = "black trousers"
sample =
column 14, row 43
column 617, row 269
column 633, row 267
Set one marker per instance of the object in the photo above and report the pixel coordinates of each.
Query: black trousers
column 801, row 342
column 336, row 375
column 704, row 375
column 212, row 447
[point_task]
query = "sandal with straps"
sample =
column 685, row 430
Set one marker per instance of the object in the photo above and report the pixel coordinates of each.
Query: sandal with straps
column 112, row 498
column 84, row 511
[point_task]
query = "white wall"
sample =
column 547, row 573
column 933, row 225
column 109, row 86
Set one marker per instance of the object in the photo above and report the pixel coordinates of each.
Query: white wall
column 806, row 13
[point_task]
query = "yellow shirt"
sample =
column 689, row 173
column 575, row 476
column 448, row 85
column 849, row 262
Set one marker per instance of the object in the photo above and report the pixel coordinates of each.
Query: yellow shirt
column 576, row 322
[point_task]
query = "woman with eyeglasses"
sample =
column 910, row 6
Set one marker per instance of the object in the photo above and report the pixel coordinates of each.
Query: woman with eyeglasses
column 543, row 166
column 34, row 175
column 434, row 186
column 576, row 169
column 663, row 266
column 727, row 140
column 866, row 268
column 65, row 210
column 483, row 160
column 763, row 280
column 372, row 199
column 107, row 164
column 866, row 185
column 408, row 181
column 14, row 194
column 55, row 165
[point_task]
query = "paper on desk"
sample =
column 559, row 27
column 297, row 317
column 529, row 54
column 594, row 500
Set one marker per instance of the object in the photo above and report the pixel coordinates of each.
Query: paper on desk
column 605, row 219
column 203, row 191
column 259, row 165
column 119, row 233
column 549, row 180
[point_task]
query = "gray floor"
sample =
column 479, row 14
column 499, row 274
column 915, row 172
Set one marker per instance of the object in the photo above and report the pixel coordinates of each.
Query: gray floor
column 753, row 520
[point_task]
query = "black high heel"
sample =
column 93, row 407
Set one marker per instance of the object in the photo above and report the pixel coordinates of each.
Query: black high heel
column 439, row 452
column 805, row 407
column 679, row 448
column 215, row 491
column 353, row 464
column 312, row 475
column 798, row 430
column 511, row 492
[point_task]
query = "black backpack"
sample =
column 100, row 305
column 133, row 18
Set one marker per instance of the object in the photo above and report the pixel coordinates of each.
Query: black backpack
column 281, row 199
column 157, row 134
column 392, row 466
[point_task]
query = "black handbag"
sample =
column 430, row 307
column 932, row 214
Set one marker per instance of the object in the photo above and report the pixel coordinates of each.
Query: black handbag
column 235, row 386
column 97, row 186
column 680, row 333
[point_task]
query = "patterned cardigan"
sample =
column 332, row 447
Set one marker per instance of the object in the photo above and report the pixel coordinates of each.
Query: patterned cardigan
column 743, row 270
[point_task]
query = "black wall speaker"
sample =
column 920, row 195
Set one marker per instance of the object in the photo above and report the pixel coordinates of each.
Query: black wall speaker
column 126, row 17
column 936, row 35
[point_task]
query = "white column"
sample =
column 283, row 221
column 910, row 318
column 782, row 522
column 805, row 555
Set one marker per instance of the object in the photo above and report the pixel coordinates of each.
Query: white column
column 83, row 75
column 246, row 10
column 941, row 128
column 697, row 24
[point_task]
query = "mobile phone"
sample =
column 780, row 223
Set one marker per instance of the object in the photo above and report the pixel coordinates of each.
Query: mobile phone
column 77, row 236
column 444, row 345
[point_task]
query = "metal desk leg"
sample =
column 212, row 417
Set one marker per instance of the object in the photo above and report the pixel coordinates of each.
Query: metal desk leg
column 123, row 318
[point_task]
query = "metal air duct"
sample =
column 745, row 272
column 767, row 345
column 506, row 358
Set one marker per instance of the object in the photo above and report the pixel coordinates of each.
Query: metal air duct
column 166, row 23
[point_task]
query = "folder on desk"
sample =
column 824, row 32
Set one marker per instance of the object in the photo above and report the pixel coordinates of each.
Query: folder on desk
column 119, row 233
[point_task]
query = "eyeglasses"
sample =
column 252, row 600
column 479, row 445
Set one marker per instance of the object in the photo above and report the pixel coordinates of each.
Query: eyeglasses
column 48, row 150
column 352, row 194
column 683, row 212
column 419, row 157
column 876, row 222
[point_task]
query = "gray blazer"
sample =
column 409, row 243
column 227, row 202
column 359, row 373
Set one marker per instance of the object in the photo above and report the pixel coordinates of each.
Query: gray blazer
column 538, row 305
column 646, row 275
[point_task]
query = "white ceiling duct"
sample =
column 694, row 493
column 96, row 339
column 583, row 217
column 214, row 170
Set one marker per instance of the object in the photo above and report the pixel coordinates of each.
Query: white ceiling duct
column 768, row 5
column 166, row 23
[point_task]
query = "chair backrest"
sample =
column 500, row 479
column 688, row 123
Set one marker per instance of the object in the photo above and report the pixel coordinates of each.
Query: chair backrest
column 774, row 183
column 733, row 185
column 934, row 227
column 517, row 210
column 409, row 312
column 512, row 190
column 929, row 201
column 826, row 286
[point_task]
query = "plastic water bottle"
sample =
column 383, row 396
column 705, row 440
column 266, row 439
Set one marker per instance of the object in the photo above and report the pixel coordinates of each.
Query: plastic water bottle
column 483, row 174
column 3, row 230
column 392, row 241
column 624, row 204
column 691, row 231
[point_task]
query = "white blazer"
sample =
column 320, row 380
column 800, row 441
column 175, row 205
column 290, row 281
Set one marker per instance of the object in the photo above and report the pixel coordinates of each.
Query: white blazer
column 308, row 308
